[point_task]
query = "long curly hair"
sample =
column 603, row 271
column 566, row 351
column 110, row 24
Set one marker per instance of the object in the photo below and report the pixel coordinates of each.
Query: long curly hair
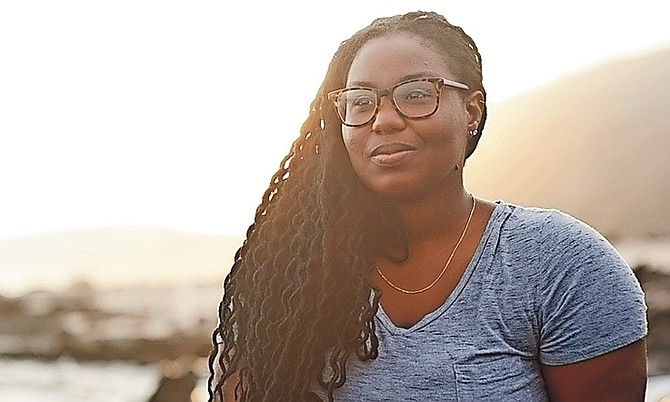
column 297, row 302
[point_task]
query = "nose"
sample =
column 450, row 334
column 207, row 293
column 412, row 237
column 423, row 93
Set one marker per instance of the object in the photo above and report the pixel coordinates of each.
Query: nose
column 388, row 119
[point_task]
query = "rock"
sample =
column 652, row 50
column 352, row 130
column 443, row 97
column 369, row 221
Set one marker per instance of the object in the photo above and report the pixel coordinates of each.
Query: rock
column 178, row 381
column 177, row 389
column 144, row 325
column 656, row 285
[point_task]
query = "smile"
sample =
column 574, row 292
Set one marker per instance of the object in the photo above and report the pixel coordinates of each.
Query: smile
column 388, row 155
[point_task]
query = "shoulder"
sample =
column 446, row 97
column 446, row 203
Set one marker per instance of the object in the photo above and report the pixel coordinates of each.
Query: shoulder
column 566, row 258
column 550, row 234
column 544, row 222
column 587, row 299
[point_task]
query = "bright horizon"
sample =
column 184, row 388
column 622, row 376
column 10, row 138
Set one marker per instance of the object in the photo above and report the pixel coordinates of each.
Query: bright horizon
column 112, row 113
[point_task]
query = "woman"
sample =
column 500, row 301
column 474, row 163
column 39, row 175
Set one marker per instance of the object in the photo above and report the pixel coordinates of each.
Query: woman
column 370, row 273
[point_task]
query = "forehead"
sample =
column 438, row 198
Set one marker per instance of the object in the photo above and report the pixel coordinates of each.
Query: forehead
column 387, row 60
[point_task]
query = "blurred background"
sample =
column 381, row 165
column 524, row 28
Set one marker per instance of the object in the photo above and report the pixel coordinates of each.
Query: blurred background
column 137, row 137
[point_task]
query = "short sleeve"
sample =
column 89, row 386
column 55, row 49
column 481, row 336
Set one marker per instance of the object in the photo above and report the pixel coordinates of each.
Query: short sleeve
column 589, row 302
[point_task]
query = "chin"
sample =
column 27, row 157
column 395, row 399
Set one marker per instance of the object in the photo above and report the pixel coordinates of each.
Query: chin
column 398, row 192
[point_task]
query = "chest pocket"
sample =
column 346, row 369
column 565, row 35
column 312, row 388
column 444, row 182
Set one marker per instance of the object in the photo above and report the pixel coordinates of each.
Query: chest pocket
column 502, row 379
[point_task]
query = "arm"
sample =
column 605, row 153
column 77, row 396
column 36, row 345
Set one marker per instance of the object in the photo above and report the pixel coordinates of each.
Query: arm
column 618, row 376
column 228, row 385
column 228, row 390
column 593, row 318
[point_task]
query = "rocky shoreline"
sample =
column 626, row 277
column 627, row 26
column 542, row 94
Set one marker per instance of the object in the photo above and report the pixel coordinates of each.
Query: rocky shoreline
column 168, row 327
column 140, row 325
column 162, row 325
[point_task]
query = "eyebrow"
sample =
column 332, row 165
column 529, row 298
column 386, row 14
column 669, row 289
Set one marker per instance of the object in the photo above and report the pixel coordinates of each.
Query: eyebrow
column 402, row 79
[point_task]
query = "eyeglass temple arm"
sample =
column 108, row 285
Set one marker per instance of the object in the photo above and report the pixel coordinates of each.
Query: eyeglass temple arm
column 454, row 84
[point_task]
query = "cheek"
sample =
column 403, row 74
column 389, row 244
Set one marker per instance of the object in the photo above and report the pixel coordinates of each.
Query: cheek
column 447, row 138
column 441, row 133
column 352, row 142
column 455, row 131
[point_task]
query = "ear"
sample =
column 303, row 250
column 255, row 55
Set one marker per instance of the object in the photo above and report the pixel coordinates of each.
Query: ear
column 474, row 107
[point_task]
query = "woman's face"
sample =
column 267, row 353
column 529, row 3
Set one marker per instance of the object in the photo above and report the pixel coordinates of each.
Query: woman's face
column 401, row 158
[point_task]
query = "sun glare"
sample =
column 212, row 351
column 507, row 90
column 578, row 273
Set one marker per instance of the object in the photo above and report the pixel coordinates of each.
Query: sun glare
column 161, row 114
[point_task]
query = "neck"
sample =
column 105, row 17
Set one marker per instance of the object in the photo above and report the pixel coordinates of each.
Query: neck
column 435, row 217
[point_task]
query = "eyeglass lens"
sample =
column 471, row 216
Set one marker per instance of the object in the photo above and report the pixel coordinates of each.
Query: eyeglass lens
column 412, row 99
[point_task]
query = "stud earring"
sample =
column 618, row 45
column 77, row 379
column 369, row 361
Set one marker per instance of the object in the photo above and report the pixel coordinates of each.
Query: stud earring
column 473, row 133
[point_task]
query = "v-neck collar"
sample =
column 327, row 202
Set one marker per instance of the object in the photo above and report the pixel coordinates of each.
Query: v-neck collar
column 486, row 244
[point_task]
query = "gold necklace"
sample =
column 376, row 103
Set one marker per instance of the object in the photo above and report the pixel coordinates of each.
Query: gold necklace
column 446, row 266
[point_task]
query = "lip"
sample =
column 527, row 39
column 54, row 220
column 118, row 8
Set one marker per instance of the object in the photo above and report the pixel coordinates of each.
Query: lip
column 391, row 154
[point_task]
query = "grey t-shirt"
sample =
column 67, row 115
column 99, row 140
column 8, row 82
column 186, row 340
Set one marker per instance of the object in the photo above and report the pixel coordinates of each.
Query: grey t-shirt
column 541, row 287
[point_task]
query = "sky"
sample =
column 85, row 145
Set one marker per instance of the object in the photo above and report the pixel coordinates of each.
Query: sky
column 176, row 113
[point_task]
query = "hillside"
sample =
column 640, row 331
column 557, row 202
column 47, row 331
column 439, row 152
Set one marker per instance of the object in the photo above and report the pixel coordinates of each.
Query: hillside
column 595, row 144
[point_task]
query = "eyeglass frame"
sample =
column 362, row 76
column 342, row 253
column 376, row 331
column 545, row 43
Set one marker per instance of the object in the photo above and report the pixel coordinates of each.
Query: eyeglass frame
column 438, row 82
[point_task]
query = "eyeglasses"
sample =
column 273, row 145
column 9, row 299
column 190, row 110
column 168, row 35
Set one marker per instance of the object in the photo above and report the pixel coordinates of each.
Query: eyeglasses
column 414, row 99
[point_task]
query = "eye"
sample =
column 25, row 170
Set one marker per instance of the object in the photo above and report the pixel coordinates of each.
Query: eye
column 363, row 100
column 417, row 94
column 359, row 100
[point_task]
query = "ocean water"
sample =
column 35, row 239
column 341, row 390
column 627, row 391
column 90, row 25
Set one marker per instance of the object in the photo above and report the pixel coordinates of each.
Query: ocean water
column 66, row 380
column 658, row 389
